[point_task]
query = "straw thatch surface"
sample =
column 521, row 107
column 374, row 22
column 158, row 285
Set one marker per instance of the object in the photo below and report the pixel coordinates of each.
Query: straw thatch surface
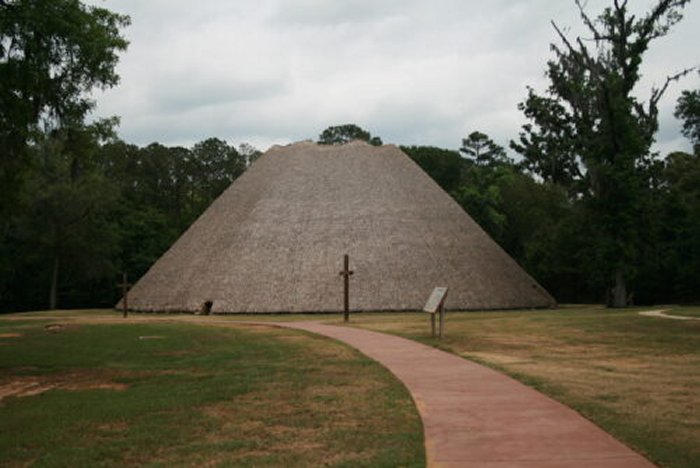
column 274, row 241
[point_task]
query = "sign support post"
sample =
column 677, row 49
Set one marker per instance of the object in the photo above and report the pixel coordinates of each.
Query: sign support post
column 434, row 306
column 346, row 273
column 442, row 319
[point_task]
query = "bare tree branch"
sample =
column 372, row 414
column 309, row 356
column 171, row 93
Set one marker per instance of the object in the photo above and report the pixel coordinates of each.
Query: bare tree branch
column 590, row 62
column 563, row 37
column 589, row 23
column 656, row 94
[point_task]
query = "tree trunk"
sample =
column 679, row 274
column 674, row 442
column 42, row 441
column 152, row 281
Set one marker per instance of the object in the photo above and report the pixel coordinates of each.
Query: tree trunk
column 619, row 292
column 53, row 294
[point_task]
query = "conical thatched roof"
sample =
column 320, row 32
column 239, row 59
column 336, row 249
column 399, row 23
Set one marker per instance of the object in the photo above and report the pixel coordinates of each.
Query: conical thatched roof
column 274, row 241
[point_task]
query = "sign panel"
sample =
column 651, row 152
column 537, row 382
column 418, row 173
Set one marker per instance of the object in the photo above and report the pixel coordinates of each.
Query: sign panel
column 437, row 297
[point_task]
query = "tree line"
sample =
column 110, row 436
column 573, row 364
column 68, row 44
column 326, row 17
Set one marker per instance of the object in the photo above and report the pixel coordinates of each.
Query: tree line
column 588, row 209
column 548, row 229
column 114, row 208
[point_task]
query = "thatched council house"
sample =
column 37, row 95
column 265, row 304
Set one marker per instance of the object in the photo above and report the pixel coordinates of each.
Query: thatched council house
column 274, row 241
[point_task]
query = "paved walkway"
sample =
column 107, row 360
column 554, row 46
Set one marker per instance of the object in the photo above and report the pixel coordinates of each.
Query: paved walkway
column 662, row 314
column 476, row 417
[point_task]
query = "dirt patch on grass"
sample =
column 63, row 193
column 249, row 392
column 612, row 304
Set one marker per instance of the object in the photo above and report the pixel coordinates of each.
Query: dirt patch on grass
column 252, row 422
column 30, row 385
column 113, row 427
column 110, row 430
column 10, row 335
column 180, row 352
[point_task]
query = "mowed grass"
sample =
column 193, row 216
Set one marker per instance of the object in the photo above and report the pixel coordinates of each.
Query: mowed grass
column 636, row 377
column 166, row 394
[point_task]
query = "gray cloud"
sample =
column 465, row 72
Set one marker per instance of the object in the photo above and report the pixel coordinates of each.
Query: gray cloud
column 191, row 94
column 412, row 72
column 323, row 13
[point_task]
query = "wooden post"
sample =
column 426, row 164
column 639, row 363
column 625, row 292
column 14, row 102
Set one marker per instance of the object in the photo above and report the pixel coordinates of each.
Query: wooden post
column 442, row 318
column 125, row 294
column 432, row 325
column 346, row 273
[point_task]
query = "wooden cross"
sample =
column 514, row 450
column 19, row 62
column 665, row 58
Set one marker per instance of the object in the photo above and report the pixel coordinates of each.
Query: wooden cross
column 346, row 273
column 125, row 294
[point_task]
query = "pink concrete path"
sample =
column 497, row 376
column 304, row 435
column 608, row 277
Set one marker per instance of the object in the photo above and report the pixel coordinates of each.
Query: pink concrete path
column 476, row 417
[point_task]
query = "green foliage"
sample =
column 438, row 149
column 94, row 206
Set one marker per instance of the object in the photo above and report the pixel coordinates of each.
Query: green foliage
column 591, row 119
column 93, row 210
column 214, row 165
column 56, row 203
column 144, row 235
column 688, row 110
column 547, row 228
column 533, row 221
column 67, row 209
column 671, row 244
column 442, row 165
column 482, row 151
column 549, row 150
column 341, row 134
column 179, row 182
column 484, row 174
column 533, row 210
column 52, row 54
column 480, row 195
column 165, row 189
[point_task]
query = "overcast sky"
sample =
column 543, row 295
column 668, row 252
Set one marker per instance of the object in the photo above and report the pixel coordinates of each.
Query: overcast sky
column 410, row 71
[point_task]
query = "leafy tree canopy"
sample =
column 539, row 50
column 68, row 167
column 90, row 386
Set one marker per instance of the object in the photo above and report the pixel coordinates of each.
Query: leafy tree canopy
column 590, row 119
column 68, row 205
column 52, row 53
column 688, row 110
column 482, row 150
column 341, row 134
column 442, row 165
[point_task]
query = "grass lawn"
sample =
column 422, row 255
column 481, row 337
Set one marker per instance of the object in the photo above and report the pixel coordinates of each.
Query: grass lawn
column 637, row 377
column 182, row 394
